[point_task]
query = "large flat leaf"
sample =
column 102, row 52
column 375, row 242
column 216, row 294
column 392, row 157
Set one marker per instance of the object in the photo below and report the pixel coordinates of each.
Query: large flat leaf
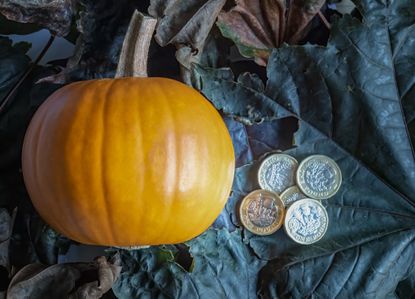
column 223, row 267
column 354, row 103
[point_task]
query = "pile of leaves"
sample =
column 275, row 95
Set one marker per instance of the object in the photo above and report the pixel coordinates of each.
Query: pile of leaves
column 283, row 79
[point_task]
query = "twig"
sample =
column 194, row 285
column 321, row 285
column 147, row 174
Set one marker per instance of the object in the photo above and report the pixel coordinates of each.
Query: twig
column 324, row 20
column 13, row 91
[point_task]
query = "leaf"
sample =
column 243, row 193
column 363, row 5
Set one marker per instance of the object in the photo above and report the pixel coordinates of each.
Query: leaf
column 32, row 240
column 352, row 101
column 72, row 280
column 223, row 267
column 55, row 15
column 234, row 98
column 13, row 62
column 102, row 26
column 186, row 24
column 406, row 288
column 342, row 6
column 256, row 27
column 10, row 27
column 300, row 14
column 251, row 142
column 6, row 227
column 16, row 116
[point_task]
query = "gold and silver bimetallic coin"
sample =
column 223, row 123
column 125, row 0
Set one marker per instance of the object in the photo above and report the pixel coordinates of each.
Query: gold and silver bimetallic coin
column 291, row 195
column 262, row 212
column 319, row 177
column 277, row 172
column 306, row 221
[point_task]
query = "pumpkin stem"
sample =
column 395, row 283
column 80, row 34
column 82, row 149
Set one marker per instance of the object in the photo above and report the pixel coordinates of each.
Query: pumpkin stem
column 134, row 52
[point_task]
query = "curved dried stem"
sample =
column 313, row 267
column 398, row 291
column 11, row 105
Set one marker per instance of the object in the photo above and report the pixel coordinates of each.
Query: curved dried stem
column 134, row 52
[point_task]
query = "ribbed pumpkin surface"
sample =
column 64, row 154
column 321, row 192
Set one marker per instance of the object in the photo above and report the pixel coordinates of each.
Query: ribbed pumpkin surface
column 132, row 161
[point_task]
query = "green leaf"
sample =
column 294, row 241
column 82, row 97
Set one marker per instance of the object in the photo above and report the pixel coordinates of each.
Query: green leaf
column 354, row 103
column 223, row 267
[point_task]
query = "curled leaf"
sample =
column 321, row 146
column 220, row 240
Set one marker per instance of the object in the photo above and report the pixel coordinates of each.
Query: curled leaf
column 256, row 27
column 186, row 24
column 55, row 15
column 64, row 280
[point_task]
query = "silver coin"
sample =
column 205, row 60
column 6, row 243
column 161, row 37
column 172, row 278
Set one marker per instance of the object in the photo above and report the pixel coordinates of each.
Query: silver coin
column 306, row 221
column 277, row 172
column 291, row 195
column 319, row 177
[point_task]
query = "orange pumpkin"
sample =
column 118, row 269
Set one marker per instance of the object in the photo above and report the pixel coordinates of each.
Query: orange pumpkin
column 131, row 161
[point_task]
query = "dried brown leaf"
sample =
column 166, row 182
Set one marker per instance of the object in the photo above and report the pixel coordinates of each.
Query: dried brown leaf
column 37, row 281
column 56, row 15
column 300, row 14
column 186, row 24
column 107, row 274
column 102, row 25
column 256, row 27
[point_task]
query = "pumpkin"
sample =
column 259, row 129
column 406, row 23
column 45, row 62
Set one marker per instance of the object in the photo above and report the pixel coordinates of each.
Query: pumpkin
column 129, row 161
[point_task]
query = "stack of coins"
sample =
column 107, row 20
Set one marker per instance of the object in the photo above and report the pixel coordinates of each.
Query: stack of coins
column 290, row 193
